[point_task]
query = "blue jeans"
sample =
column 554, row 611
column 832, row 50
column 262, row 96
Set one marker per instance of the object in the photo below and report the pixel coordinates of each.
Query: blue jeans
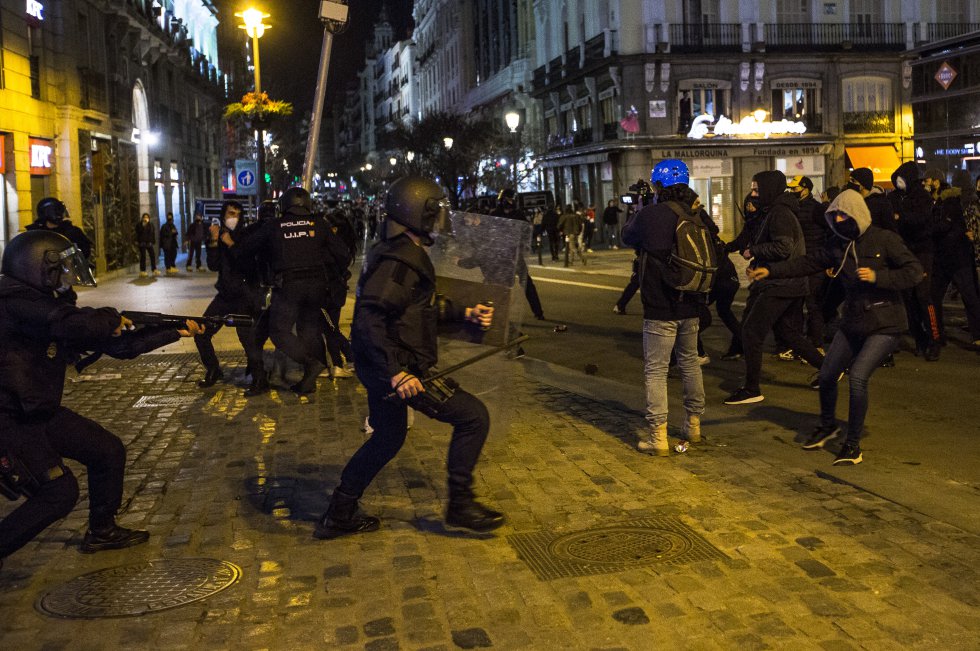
column 863, row 355
column 659, row 338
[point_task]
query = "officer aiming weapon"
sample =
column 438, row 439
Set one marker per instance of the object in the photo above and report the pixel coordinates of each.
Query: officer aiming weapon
column 176, row 321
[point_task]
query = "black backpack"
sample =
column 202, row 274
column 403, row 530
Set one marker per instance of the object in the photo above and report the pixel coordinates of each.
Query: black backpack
column 693, row 262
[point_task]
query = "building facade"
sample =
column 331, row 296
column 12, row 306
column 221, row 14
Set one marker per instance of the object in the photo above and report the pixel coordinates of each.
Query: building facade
column 731, row 88
column 115, row 108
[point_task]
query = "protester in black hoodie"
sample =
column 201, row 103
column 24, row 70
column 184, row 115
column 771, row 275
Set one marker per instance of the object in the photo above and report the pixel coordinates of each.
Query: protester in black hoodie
column 874, row 266
column 773, row 236
column 815, row 231
column 954, row 255
column 913, row 206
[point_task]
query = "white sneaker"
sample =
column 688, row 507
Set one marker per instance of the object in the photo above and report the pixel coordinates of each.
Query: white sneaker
column 703, row 359
column 343, row 371
column 142, row 274
column 156, row 272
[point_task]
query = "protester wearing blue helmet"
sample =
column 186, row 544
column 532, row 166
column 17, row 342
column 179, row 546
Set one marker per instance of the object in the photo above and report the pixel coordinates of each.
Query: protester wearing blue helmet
column 669, row 316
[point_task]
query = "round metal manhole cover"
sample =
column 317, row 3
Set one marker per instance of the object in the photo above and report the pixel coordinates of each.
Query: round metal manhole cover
column 621, row 545
column 131, row 590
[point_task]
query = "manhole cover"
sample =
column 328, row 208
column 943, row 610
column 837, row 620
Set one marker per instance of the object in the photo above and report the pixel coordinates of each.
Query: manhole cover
column 131, row 590
column 612, row 548
column 167, row 401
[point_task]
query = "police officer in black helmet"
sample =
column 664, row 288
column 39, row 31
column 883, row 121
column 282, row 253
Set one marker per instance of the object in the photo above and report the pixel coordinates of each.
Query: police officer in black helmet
column 304, row 255
column 52, row 214
column 394, row 339
column 42, row 332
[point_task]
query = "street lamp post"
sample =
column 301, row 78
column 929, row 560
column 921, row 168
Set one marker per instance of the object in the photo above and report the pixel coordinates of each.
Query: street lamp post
column 513, row 121
column 255, row 28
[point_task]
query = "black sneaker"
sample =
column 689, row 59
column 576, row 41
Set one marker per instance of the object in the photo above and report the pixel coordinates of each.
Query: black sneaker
column 744, row 397
column 114, row 537
column 329, row 528
column 821, row 435
column 849, row 455
column 211, row 378
column 931, row 352
column 470, row 514
column 815, row 381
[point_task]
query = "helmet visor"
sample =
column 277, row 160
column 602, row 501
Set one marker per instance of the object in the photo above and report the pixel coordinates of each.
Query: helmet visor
column 435, row 217
column 74, row 268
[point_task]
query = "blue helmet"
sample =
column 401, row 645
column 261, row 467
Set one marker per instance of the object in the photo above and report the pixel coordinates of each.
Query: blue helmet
column 670, row 172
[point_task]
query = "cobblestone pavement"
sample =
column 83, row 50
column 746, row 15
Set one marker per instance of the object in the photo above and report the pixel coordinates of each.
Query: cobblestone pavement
column 804, row 563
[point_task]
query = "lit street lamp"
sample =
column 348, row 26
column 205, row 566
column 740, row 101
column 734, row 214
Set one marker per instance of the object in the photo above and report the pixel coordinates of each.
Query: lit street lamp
column 255, row 28
column 447, row 142
column 513, row 121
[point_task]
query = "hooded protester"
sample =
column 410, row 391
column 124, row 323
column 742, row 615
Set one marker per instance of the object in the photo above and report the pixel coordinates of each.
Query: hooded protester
column 777, row 305
column 912, row 206
column 815, row 231
column 954, row 261
column 863, row 181
column 874, row 266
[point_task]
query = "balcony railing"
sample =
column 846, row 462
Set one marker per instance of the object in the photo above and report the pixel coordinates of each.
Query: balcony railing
column 825, row 37
column 712, row 37
column 869, row 122
column 941, row 31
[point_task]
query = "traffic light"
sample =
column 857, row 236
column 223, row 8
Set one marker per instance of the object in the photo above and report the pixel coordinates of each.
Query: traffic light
column 268, row 178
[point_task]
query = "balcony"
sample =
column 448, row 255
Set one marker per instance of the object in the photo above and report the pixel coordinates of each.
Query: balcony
column 942, row 31
column 869, row 122
column 795, row 37
column 711, row 37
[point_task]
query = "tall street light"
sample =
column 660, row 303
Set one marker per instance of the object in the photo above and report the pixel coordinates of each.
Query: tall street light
column 255, row 28
column 513, row 121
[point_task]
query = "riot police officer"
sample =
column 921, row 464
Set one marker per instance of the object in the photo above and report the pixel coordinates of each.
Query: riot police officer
column 395, row 347
column 507, row 207
column 52, row 214
column 236, row 295
column 43, row 331
column 304, row 254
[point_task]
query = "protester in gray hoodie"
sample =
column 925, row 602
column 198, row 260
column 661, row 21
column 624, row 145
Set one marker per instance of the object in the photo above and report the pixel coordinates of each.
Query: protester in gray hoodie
column 874, row 266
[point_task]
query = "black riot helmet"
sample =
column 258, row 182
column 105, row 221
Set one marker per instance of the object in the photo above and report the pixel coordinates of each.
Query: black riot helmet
column 51, row 210
column 415, row 204
column 46, row 261
column 295, row 201
column 507, row 198
column 267, row 210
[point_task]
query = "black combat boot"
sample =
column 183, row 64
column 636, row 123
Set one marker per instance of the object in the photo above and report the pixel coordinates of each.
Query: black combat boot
column 210, row 378
column 311, row 370
column 259, row 385
column 111, row 537
column 342, row 518
column 466, row 512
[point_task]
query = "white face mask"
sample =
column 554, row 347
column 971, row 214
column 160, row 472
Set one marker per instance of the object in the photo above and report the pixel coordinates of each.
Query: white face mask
column 231, row 223
column 899, row 183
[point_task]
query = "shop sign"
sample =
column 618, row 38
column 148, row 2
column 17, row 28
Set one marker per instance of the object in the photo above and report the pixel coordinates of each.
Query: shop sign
column 41, row 151
column 711, row 167
column 35, row 9
column 749, row 126
column 708, row 152
column 796, row 84
column 945, row 75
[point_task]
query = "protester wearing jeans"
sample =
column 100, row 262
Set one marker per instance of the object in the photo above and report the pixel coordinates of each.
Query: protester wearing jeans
column 874, row 266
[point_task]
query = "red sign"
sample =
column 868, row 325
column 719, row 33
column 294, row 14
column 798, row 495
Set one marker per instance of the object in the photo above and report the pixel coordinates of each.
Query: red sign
column 3, row 155
column 42, row 156
column 945, row 75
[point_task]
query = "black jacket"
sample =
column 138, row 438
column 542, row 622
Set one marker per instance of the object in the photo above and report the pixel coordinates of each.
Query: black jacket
column 234, row 272
column 42, row 333
column 73, row 233
column 397, row 311
column 868, row 308
column 914, row 207
column 651, row 232
column 146, row 234
column 197, row 232
column 774, row 236
column 168, row 236
column 812, row 223
column 880, row 208
column 953, row 249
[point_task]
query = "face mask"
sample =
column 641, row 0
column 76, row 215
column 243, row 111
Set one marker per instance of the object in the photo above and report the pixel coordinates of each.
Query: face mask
column 846, row 230
column 899, row 183
column 231, row 223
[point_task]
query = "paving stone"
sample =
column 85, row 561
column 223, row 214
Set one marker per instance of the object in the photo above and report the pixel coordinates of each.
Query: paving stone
column 631, row 616
column 814, row 568
column 471, row 638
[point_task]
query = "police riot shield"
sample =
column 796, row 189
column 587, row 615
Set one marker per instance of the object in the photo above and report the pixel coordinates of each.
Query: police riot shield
column 480, row 258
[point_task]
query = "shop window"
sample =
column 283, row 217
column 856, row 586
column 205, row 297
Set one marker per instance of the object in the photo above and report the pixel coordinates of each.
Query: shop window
column 610, row 122
column 867, row 104
column 693, row 102
column 798, row 105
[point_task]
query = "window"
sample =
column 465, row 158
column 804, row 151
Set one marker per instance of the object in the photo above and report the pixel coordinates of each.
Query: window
column 700, row 97
column 792, row 11
column 798, row 101
column 34, row 46
column 863, row 14
column 868, row 106
column 950, row 11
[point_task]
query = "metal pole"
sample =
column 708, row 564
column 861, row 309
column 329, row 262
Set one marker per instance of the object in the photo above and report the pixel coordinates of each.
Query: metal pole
column 259, row 133
column 255, row 55
column 313, row 141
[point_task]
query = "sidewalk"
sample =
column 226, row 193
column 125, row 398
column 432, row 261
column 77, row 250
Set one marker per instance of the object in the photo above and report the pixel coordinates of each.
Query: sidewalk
column 716, row 549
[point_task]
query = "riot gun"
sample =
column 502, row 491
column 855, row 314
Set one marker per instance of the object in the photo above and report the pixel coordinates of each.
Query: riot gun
column 180, row 322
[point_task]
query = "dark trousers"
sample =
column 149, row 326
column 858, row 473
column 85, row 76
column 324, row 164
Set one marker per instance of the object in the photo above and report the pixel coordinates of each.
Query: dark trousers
column 530, row 291
column 170, row 257
column 863, row 356
column 194, row 253
column 148, row 252
column 964, row 278
column 338, row 346
column 41, row 446
column 554, row 241
column 297, row 304
column 464, row 411
column 782, row 315
column 723, row 295
column 813, row 304
column 923, row 320
column 221, row 305
column 631, row 287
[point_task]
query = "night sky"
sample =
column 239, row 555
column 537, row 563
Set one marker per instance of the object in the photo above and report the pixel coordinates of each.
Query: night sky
column 290, row 50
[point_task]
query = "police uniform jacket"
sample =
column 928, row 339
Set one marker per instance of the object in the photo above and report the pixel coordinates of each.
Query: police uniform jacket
column 42, row 333
column 397, row 312
column 298, row 247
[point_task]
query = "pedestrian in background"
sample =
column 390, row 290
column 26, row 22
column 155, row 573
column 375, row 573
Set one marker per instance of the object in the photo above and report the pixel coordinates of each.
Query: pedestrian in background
column 169, row 236
column 549, row 222
column 588, row 228
column 954, row 261
column 146, row 239
column 570, row 223
column 610, row 223
column 874, row 266
column 815, row 230
column 194, row 237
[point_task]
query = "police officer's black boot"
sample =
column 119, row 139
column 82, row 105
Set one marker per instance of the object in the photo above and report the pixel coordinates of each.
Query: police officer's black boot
column 342, row 518
column 259, row 385
column 311, row 370
column 464, row 511
column 211, row 376
column 104, row 534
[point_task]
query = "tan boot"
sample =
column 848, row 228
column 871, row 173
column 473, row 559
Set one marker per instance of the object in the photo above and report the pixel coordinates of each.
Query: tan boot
column 692, row 428
column 655, row 441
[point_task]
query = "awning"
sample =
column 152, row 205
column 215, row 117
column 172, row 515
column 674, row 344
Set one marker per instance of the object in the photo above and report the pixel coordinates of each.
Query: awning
column 882, row 159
